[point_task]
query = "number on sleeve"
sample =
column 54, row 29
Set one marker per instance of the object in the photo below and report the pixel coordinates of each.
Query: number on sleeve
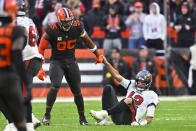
column 33, row 36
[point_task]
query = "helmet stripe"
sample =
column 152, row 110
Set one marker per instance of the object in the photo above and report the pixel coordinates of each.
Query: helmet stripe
column 66, row 12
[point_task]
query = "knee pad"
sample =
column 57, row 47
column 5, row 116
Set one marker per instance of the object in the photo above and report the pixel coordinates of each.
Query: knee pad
column 107, row 88
column 77, row 94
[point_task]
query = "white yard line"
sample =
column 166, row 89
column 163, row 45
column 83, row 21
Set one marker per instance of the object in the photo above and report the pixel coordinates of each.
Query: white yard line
column 70, row 99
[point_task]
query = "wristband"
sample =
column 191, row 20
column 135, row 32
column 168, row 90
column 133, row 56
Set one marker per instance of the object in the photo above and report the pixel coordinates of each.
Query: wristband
column 93, row 49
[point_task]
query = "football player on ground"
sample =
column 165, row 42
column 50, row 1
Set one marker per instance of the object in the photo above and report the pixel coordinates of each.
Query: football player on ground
column 32, row 60
column 11, row 64
column 139, row 101
column 62, row 36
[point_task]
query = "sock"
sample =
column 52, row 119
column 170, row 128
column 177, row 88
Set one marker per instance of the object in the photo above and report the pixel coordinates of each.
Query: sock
column 28, row 107
column 22, row 129
column 51, row 97
column 80, row 105
column 4, row 110
column 121, row 106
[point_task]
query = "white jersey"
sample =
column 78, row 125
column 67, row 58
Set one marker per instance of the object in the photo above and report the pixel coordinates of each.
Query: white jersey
column 31, row 50
column 142, row 100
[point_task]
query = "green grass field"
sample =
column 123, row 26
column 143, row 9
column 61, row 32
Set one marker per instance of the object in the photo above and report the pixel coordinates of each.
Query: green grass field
column 170, row 116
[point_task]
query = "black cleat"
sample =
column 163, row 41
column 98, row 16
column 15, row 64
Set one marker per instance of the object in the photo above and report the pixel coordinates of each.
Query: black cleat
column 46, row 119
column 83, row 122
column 36, row 125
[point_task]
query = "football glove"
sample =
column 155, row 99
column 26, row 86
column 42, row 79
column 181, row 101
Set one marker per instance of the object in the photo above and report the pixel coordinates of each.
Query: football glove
column 99, row 59
column 41, row 74
column 135, row 123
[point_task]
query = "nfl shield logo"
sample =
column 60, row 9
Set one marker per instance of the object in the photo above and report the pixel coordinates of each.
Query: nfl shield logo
column 59, row 39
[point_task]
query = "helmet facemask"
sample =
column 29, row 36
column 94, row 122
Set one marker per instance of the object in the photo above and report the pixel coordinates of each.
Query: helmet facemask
column 66, row 24
column 142, row 85
column 143, row 80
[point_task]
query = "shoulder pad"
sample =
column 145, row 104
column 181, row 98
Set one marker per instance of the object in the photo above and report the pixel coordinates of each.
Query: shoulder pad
column 76, row 23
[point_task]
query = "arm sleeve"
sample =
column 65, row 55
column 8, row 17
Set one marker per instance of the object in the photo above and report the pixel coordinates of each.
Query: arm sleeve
column 43, row 45
column 150, row 111
column 125, row 83
column 128, row 22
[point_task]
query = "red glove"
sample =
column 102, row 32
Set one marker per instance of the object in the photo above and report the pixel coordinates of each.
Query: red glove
column 99, row 59
column 41, row 74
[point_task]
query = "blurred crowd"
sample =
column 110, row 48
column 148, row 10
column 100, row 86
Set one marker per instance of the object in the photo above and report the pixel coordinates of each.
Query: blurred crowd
column 144, row 20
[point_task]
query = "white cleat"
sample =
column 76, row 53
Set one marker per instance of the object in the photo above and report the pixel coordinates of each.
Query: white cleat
column 104, row 122
column 10, row 127
column 36, row 122
column 30, row 127
column 99, row 115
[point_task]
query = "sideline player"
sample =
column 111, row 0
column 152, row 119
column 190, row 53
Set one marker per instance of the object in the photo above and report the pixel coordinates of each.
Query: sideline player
column 62, row 36
column 139, row 101
column 11, row 64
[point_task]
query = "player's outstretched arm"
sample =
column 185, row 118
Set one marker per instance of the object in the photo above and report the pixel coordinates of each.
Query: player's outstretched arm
column 113, row 71
column 44, row 42
column 92, row 47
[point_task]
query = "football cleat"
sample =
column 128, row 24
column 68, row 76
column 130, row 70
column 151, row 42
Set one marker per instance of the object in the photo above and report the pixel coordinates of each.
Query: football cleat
column 104, row 122
column 36, row 122
column 46, row 119
column 83, row 121
column 99, row 115
column 30, row 127
column 10, row 127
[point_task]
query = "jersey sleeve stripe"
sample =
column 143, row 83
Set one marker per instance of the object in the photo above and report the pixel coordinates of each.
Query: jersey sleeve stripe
column 133, row 110
column 151, row 104
column 128, row 85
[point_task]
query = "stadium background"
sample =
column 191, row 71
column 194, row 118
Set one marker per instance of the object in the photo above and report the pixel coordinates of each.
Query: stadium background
column 169, row 81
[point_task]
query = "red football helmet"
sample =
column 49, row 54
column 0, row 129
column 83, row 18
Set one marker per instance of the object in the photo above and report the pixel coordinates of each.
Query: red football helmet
column 65, row 18
column 8, row 8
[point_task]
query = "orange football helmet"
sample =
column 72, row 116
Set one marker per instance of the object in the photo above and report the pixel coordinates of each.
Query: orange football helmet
column 65, row 18
column 8, row 8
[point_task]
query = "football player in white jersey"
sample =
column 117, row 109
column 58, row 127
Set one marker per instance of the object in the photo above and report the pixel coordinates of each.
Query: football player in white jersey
column 32, row 59
column 139, row 101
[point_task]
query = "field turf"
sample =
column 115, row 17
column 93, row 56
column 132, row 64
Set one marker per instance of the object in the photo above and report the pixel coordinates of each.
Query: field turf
column 170, row 116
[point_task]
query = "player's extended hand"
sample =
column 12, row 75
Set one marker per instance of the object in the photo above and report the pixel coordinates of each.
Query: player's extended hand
column 99, row 59
column 135, row 123
column 41, row 74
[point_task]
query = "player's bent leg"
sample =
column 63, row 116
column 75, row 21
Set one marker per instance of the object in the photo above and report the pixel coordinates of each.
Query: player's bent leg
column 72, row 75
column 109, row 98
column 51, row 98
column 56, row 73
column 15, row 103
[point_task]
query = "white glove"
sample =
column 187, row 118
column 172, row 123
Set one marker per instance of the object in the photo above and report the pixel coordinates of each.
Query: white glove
column 135, row 123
